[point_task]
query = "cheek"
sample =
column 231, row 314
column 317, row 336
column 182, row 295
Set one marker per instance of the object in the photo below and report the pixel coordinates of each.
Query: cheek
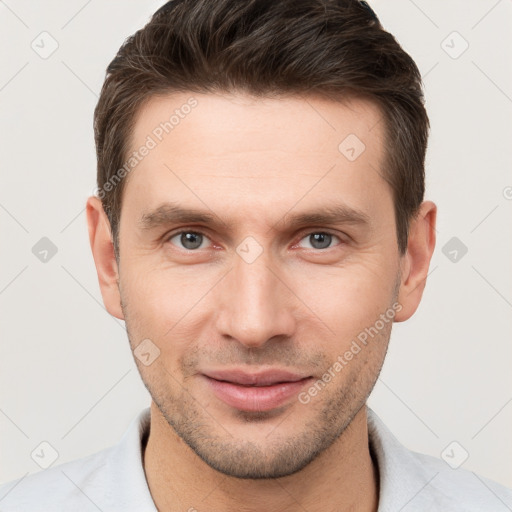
column 159, row 292
column 348, row 299
column 167, row 305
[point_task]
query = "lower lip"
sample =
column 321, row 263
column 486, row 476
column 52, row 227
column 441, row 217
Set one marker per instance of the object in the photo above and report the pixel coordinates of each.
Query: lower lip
column 255, row 398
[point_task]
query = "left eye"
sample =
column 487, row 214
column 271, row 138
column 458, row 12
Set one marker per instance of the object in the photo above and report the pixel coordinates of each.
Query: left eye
column 319, row 240
column 189, row 240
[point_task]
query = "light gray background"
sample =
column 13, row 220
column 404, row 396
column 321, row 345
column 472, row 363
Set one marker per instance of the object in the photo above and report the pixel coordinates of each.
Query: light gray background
column 66, row 373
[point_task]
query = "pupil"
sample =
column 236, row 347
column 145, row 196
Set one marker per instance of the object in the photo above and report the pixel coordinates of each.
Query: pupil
column 191, row 240
column 320, row 240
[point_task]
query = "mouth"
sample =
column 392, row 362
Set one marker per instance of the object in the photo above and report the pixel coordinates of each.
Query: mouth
column 262, row 391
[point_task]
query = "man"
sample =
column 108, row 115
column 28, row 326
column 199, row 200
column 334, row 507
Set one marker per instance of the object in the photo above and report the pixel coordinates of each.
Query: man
column 259, row 226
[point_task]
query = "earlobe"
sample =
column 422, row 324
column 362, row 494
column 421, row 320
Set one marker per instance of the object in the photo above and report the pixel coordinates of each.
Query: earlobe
column 415, row 262
column 102, row 248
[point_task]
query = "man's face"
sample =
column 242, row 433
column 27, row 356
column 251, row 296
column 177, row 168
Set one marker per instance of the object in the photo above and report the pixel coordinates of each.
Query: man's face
column 251, row 290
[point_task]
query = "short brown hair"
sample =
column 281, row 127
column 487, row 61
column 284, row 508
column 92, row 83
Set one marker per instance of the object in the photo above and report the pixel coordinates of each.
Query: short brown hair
column 267, row 48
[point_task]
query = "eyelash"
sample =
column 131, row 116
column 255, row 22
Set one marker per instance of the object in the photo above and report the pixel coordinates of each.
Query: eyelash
column 303, row 235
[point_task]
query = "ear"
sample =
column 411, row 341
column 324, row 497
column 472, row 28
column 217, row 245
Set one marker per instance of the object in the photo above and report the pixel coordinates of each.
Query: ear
column 415, row 262
column 100, row 238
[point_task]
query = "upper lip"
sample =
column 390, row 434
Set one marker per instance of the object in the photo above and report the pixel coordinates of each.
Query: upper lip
column 260, row 378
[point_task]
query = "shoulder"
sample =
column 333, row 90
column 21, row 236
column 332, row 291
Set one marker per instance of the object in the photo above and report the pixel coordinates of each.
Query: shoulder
column 412, row 481
column 464, row 490
column 59, row 487
column 112, row 479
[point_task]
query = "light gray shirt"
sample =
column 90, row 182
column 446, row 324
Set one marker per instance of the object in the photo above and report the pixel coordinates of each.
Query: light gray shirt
column 114, row 480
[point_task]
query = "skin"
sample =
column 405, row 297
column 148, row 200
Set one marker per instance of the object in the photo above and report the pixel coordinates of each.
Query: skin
column 254, row 164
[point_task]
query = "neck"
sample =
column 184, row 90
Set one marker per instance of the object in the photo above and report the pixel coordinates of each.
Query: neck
column 342, row 478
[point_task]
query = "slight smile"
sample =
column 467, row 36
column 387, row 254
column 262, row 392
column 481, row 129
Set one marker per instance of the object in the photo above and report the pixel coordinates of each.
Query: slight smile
column 261, row 391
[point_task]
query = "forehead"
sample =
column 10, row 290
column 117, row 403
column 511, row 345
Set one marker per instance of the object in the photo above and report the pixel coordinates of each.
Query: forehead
column 312, row 121
column 237, row 148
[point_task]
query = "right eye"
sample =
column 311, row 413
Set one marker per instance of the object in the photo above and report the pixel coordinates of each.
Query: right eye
column 188, row 240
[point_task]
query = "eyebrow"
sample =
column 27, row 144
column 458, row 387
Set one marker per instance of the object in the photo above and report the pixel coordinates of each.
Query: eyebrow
column 172, row 213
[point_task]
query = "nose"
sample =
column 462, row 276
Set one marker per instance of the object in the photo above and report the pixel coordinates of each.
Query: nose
column 254, row 304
